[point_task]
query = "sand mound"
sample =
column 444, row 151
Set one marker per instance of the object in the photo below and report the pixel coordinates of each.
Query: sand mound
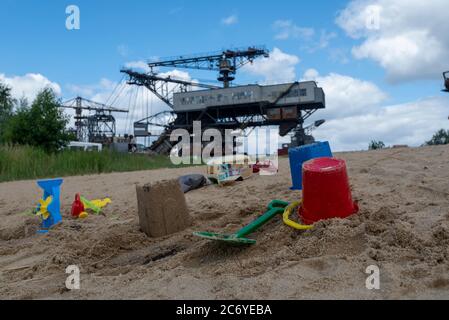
column 18, row 227
column 402, row 227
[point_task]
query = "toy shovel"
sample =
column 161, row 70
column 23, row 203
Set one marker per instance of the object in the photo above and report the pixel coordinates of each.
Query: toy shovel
column 274, row 208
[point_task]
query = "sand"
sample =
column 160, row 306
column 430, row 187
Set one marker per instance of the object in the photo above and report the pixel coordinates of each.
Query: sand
column 402, row 227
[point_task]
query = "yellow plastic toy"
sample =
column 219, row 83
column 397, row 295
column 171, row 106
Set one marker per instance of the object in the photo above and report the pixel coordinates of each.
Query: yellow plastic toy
column 101, row 203
column 290, row 223
column 95, row 205
column 83, row 215
column 43, row 208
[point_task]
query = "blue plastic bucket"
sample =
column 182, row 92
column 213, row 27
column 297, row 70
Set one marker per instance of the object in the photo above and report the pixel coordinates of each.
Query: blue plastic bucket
column 302, row 154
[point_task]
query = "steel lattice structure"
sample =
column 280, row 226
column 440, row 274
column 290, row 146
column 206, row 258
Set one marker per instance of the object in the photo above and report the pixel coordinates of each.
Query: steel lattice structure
column 224, row 116
column 226, row 62
column 98, row 125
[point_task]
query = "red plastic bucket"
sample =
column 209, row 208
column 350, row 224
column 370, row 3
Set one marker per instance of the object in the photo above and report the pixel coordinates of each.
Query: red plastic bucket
column 326, row 191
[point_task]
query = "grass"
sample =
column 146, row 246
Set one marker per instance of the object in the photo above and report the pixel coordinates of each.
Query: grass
column 23, row 162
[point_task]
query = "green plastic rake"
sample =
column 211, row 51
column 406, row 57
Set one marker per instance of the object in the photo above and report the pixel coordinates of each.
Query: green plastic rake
column 274, row 208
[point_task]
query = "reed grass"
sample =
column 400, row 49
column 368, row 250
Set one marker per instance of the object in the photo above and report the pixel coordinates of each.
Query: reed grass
column 25, row 162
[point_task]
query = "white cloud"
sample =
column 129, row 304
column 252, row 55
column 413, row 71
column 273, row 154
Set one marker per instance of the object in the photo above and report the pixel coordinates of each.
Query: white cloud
column 410, row 123
column 322, row 42
column 88, row 91
column 184, row 75
column 80, row 90
column 346, row 96
column 412, row 41
column 233, row 19
column 139, row 65
column 338, row 55
column 311, row 40
column 29, row 85
column 278, row 68
column 325, row 39
column 356, row 114
column 311, row 74
column 286, row 29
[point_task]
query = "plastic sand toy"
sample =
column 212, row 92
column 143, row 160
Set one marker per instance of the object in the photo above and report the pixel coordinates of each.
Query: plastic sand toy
column 77, row 206
column 49, row 207
column 326, row 193
column 286, row 217
column 274, row 208
column 95, row 205
column 298, row 156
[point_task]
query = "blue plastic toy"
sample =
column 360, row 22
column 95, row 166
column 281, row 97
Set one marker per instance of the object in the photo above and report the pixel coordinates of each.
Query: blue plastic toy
column 49, row 207
column 303, row 154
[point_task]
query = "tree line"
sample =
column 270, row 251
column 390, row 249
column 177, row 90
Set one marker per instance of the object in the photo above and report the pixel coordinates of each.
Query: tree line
column 41, row 123
column 441, row 137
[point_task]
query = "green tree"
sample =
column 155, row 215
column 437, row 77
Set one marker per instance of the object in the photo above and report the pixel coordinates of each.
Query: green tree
column 439, row 138
column 42, row 124
column 376, row 145
column 6, row 108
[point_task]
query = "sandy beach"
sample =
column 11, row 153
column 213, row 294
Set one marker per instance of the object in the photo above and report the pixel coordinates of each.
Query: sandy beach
column 402, row 227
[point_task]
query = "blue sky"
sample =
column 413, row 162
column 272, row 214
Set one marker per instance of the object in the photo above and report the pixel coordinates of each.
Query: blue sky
column 42, row 44
column 113, row 33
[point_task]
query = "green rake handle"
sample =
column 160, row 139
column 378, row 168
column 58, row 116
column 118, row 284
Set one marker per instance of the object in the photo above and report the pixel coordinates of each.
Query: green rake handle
column 274, row 208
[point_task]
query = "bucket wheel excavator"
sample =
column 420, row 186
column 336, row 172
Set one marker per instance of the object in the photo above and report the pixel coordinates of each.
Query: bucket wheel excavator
column 224, row 106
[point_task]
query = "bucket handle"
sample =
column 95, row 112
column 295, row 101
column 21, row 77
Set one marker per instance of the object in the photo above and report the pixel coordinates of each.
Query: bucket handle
column 291, row 223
